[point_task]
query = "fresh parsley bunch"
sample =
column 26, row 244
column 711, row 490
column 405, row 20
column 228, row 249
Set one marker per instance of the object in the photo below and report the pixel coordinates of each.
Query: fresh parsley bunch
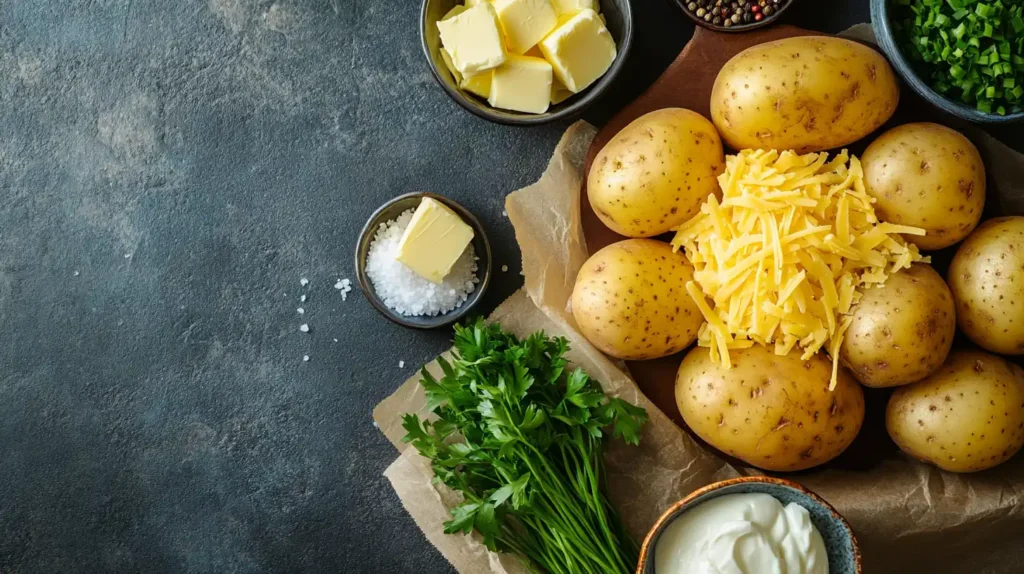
column 522, row 440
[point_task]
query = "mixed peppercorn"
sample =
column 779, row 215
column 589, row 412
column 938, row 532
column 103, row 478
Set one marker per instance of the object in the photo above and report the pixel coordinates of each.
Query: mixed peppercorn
column 729, row 13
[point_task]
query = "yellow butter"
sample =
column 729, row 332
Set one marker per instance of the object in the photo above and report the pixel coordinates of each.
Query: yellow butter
column 434, row 240
column 473, row 39
column 448, row 63
column 525, row 22
column 479, row 84
column 471, row 3
column 580, row 50
column 559, row 93
column 522, row 84
column 574, row 6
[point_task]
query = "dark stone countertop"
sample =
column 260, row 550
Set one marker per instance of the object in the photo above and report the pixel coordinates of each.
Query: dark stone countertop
column 169, row 170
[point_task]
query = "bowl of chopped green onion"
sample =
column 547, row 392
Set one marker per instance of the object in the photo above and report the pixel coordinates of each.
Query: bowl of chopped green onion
column 964, row 56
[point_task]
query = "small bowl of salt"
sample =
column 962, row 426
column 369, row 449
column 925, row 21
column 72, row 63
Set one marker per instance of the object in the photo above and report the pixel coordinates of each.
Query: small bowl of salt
column 400, row 293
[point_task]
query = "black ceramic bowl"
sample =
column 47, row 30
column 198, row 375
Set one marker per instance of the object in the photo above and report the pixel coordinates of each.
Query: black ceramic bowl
column 391, row 210
column 884, row 35
column 619, row 19
column 777, row 12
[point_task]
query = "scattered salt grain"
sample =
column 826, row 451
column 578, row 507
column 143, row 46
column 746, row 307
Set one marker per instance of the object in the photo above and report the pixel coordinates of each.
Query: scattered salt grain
column 304, row 328
column 343, row 285
column 302, row 298
column 127, row 255
column 76, row 273
column 305, row 358
column 504, row 268
column 401, row 364
column 335, row 340
column 300, row 310
column 406, row 292
column 303, row 281
column 504, row 213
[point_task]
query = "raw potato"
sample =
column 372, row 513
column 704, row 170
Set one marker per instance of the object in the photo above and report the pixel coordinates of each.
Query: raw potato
column 774, row 412
column 902, row 331
column 810, row 93
column 968, row 416
column 654, row 174
column 987, row 280
column 629, row 300
column 928, row 176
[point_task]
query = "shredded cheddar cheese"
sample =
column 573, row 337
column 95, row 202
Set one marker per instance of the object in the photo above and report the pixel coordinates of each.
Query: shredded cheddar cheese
column 782, row 255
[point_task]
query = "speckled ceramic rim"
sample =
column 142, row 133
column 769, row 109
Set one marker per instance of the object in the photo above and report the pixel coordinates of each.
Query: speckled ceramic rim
column 885, row 39
column 575, row 106
column 366, row 235
column 670, row 514
column 681, row 4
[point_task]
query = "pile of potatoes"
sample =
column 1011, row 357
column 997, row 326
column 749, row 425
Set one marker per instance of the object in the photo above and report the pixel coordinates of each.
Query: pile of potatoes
column 961, row 409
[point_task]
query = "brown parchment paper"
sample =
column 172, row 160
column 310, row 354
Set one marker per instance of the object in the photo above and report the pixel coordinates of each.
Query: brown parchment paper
column 908, row 517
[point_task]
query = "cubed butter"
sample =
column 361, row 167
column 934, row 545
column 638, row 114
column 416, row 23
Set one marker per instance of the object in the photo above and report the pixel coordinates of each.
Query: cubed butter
column 479, row 84
column 471, row 3
column 448, row 63
column 574, row 6
column 522, row 84
column 525, row 22
column 434, row 240
column 559, row 93
column 473, row 39
column 581, row 50
column 455, row 11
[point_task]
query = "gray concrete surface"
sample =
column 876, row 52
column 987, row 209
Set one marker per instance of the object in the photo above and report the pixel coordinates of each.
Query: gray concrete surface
column 169, row 170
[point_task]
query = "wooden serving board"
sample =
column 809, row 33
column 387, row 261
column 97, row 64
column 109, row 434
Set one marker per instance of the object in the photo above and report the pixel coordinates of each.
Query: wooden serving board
column 687, row 84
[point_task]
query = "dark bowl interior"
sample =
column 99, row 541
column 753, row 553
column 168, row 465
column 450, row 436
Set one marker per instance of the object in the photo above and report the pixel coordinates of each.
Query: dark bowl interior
column 840, row 543
column 884, row 34
column 739, row 27
column 619, row 19
column 392, row 210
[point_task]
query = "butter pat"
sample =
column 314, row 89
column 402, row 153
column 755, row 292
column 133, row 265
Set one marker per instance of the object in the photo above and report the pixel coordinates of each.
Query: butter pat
column 559, row 93
column 479, row 84
column 574, row 6
column 434, row 240
column 522, row 84
column 525, row 22
column 448, row 63
column 580, row 50
column 473, row 39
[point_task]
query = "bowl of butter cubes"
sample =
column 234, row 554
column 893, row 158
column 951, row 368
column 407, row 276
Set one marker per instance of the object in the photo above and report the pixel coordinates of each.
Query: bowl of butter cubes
column 526, row 62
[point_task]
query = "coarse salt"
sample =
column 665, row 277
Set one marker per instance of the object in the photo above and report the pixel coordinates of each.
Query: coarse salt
column 305, row 358
column 343, row 285
column 303, row 281
column 300, row 310
column 406, row 292
column 302, row 298
column 304, row 328
column 504, row 268
column 401, row 364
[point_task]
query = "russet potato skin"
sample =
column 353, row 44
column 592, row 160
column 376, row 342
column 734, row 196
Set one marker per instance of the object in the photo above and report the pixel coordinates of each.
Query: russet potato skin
column 629, row 300
column 965, row 417
column 807, row 94
column 987, row 281
column 655, row 173
column 928, row 176
column 901, row 331
column 773, row 412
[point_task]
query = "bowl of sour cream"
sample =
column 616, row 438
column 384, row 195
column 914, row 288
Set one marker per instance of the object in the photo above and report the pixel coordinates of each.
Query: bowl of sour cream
column 751, row 525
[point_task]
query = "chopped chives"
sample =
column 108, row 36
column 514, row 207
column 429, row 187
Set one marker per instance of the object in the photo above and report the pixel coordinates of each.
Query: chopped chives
column 970, row 50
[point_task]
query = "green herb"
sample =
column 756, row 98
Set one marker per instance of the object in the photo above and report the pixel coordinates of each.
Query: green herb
column 522, row 440
column 968, row 50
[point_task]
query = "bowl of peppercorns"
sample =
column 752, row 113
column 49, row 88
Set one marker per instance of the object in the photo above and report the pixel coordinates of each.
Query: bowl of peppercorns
column 733, row 15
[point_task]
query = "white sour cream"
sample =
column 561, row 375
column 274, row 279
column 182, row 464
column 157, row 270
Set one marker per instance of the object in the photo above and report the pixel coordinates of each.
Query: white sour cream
column 741, row 534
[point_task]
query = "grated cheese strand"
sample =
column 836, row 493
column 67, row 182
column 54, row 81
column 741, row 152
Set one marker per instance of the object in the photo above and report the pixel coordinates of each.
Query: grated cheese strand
column 780, row 259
